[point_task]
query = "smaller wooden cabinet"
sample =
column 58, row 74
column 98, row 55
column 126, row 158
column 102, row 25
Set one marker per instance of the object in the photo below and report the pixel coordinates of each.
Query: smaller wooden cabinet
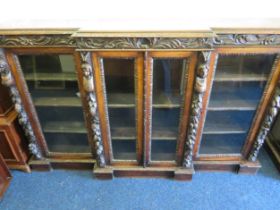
column 13, row 145
column 5, row 177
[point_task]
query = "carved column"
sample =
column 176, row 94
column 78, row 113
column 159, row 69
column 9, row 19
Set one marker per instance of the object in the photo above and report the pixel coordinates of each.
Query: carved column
column 196, row 107
column 266, row 125
column 8, row 81
column 88, row 85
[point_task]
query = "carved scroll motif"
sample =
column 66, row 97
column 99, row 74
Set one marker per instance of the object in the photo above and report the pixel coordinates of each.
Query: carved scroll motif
column 247, row 39
column 199, row 90
column 266, row 125
column 37, row 40
column 143, row 43
column 8, row 81
column 92, row 104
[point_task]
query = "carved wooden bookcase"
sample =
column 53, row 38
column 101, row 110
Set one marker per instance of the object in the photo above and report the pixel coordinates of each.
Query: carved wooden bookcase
column 143, row 104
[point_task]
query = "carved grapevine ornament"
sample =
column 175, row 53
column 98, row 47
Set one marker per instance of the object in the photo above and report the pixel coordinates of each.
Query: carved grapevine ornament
column 200, row 87
column 266, row 125
column 8, row 81
column 92, row 104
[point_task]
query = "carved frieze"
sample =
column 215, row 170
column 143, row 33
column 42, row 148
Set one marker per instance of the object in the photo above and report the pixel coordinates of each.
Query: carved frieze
column 88, row 85
column 37, row 40
column 143, row 43
column 8, row 81
column 266, row 125
column 247, row 39
column 66, row 40
column 196, row 107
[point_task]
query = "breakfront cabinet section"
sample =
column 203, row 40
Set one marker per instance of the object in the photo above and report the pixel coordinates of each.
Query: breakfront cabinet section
column 143, row 104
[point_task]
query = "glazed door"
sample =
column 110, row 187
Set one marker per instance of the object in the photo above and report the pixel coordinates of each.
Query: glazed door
column 144, row 100
column 119, row 86
column 168, row 89
column 237, row 103
column 49, row 77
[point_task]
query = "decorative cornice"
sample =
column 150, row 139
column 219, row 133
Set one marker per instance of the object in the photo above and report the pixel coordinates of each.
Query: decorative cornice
column 207, row 42
column 247, row 39
column 266, row 125
column 88, row 86
column 143, row 43
column 8, row 81
column 199, row 90
column 37, row 41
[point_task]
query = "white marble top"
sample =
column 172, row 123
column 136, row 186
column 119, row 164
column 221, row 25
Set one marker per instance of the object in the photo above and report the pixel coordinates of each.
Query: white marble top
column 141, row 15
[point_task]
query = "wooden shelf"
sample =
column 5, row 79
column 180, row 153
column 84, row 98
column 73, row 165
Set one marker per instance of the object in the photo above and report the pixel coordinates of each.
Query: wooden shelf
column 64, row 127
column 239, row 77
column 129, row 133
column 245, row 97
column 51, row 76
column 220, row 104
column 228, row 122
column 128, row 101
column 57, row 101
column 164, row 101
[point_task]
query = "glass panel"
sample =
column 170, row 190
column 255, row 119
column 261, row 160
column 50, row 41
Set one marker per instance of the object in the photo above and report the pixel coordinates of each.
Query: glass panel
column 222, row 143
column 119, row 80
column 163, row 150
column 236, row 92
column 52, row 83
column 168, row 90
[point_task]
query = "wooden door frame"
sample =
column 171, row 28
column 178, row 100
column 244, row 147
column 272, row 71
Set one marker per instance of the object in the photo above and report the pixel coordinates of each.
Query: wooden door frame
column 260, row 111
column 99, row 79
column 21, row 85
column 191, row 56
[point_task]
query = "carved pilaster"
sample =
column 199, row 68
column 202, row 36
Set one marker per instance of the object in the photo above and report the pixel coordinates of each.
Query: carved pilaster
column 266, row 125
column 8, row 81
column 88, row 86
column 199, row 90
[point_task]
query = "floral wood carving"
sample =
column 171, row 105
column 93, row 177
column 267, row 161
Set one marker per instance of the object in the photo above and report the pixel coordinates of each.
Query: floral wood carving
column 199, row 90
column 143, row 43
column 266, row 125
column 8, row 81
column 37, row 40
column 247, row 39
column 92, row 104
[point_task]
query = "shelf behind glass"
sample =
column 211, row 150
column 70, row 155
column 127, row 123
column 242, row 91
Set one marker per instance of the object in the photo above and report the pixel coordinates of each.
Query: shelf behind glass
column 67, row 142
column 222, row 144
column 122, row 100
column 227, row 122
column 236, row 95
column 163, row 150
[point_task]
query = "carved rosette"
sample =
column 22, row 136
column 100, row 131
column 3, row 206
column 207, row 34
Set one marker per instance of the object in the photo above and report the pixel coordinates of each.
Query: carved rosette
column 266, row 125
column 143, row 43
column 8, row 81
column 92, row 104
column 199, row 90
column 37, row 40
column 247, row 39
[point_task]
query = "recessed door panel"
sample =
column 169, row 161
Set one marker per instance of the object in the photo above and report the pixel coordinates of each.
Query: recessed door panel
column 52, row 84
column 122, row 83
column 237, row 89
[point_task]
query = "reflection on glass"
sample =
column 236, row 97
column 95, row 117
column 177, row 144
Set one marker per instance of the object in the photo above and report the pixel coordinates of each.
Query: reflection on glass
column 237, row 89
column 120, row 91
column 52, row 83
column 168, row 89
